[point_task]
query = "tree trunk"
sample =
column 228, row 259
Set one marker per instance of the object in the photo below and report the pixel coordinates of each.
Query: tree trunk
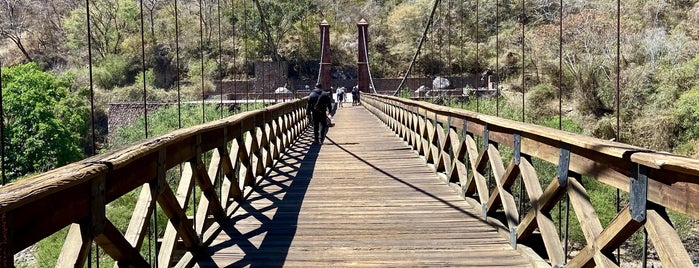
column 268, row 35
column 21, row 47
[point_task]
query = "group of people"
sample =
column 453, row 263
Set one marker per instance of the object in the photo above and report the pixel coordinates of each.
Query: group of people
column 321, row 108
column 341, row 95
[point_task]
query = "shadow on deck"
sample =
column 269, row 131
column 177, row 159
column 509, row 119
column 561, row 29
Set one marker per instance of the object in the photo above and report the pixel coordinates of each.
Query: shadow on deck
column 361, row 199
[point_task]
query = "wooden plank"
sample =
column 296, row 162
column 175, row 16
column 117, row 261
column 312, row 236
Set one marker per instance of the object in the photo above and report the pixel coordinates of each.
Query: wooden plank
column 618, row 231
column 256, row 153
column 209, row 201
column 476, row 179
column 245, row 161
column 75, row 248
column 667, row 243
column 174, row 211
column 502, row 194
column 537, row 216
column 170, row 236
column 230, row 188
column 116, row 246
column 587, row 217
column 394, row 209
column 140, row 219
column 585, row 212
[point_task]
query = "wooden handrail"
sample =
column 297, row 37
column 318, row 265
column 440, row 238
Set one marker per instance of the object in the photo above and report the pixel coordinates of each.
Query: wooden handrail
column 446, row 137
column 36, row 207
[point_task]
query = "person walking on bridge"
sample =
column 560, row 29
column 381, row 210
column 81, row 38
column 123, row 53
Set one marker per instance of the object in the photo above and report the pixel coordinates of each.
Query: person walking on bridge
column 317, row 109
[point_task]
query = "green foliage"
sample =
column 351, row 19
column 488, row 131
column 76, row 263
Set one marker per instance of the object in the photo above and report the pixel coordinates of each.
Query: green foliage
column 687, row 114
column 113, row 71
column 166, row 120
column 44, row 121
column 116, row 21
column 406, row 92
column 149, row 76
column 539, row 100
column 119, row 212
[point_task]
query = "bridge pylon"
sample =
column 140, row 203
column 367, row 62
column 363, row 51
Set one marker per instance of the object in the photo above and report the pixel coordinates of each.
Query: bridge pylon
column 325, row 60
column 363, row 61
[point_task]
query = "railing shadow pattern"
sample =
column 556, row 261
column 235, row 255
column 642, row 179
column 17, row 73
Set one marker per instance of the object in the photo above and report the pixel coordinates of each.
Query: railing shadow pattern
column 655, row 181
column 239, row 151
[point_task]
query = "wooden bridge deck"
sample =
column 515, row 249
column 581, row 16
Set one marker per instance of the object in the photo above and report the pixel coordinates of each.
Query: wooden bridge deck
column 361, row 199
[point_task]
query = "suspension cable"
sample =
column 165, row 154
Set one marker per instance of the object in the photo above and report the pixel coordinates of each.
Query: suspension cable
column 521, row 181
column 235, row 58
column 322, row 49
column 92, row 113
column 618, row 124
column 153, row 231
column 419, row 46
column 201, row 52
column 560, row 123
column 448, row 57
column 524, row 82
column 560, row 66
column 461, row 52
column 143, row 70
column 560, row 94
column 497, row 57
column 245, row 48
column 478, row 59
column 366, row 55
column 92, row 89
column 2, row 131
column 177, row 69
column 220, row 57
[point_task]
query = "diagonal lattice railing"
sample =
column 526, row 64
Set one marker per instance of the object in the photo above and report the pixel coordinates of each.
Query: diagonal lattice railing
column 655, row 181
column 238, row 149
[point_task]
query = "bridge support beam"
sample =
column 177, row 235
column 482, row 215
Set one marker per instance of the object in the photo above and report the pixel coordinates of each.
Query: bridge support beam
column 363, row 61
column 325, row 61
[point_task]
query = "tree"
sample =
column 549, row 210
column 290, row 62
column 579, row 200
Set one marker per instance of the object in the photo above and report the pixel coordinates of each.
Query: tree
column 276, row 19
column 44, row 122
column 112, row 22
column 15, row 21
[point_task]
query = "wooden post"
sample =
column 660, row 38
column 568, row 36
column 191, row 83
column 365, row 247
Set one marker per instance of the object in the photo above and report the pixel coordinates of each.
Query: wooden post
column 6, row 256
column 326, row 62
column 363, row 61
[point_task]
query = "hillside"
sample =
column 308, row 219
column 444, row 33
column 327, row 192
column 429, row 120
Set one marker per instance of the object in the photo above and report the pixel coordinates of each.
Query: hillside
column 658, row 67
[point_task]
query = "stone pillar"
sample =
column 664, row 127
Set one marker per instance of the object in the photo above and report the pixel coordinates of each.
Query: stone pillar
column 363, row 62
column 326, row 62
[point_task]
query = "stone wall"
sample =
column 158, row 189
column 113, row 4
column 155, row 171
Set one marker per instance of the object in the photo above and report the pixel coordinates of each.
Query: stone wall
column 121, row 114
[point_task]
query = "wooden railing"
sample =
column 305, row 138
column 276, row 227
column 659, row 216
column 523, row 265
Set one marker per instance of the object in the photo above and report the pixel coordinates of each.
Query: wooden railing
column 654, row 181
column 240, row 149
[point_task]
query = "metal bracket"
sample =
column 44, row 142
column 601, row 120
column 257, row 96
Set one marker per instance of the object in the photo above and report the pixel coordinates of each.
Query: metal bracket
column 98, row 204
column 197, row 150
column 484, row 208
column 517, row 154
column 638, row 193
column 464, row 130
column 563, row 165
column 448, row 123
column 161, row 173
column 513, row 237
column 486, row 138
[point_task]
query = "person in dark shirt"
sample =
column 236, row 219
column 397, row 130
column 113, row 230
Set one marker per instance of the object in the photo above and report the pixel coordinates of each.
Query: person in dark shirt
column 317, row 109
column 355, row 95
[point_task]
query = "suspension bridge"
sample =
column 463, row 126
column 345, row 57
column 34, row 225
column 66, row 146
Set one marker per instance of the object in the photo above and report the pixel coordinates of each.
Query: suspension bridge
column 398, row 182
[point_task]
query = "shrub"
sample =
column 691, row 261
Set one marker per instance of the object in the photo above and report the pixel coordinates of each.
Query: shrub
column 539, row 100
column 687, row 114
column 113, row 71
column 44, row 121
